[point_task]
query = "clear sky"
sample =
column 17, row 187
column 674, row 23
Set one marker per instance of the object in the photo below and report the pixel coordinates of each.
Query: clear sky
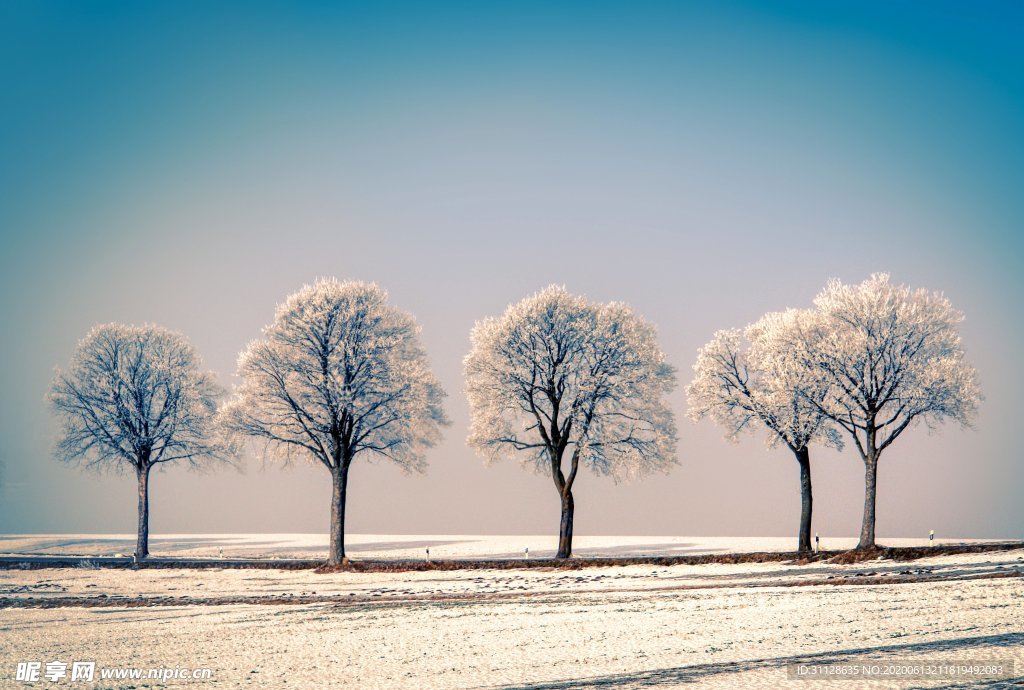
column 190, row 166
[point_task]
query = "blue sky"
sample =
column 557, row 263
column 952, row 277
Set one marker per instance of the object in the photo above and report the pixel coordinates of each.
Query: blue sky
column 190, row 166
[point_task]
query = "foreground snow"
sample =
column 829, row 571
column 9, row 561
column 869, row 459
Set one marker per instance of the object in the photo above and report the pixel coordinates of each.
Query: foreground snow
column 725, row 626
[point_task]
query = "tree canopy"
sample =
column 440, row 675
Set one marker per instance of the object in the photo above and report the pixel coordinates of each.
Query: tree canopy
column 556, row 372
column 135, row 396
column 339, row 372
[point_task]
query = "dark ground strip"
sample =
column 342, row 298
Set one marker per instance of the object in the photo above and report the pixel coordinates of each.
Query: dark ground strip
column 105, row 601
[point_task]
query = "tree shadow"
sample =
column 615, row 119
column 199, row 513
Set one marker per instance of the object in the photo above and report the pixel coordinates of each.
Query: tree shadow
column 699, row 672
column 863, row 570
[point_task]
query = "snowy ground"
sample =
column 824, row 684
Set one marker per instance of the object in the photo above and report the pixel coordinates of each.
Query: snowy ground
column 723, row 626
column 409, row 546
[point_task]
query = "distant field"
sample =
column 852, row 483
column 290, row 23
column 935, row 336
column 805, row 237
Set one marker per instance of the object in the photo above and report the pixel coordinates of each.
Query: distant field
column 411, row 546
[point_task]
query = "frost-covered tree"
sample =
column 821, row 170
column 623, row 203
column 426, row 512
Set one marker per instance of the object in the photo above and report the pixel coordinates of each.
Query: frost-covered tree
column 753, row 379
column 893, row 359
column 339, row 373
column 557, row 378
column 134, row 397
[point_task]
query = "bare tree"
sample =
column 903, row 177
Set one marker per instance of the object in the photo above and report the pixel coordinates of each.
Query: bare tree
column 339, row 373
column 754, row 378
column 892, row 358
column 557, row 375
column 134, row 397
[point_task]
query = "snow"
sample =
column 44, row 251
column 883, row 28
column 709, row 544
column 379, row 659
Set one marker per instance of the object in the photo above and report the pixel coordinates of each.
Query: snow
column 726, row 626
column 413, row 545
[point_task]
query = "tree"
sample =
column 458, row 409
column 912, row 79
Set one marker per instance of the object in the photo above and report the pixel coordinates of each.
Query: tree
column 557, row 375
column 750, row 378
column 339, row 373
column 134, row 397
column 893, row 359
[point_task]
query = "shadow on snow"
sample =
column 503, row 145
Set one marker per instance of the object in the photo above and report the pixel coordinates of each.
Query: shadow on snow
column 698, row 672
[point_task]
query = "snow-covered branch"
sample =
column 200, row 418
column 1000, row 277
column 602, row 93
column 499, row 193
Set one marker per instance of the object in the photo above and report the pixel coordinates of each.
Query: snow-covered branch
column 755, row 378
column 556, row 370
column 339, row 372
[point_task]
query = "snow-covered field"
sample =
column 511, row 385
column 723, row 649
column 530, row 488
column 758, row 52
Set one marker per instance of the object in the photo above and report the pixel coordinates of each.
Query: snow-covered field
column 725, row 626
column 410, row 546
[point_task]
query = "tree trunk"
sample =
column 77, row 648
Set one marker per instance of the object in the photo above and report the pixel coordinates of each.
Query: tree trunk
column 340, row 482
column 867, row 529
column 803, row 456
column 565, row 530
column 142, row 540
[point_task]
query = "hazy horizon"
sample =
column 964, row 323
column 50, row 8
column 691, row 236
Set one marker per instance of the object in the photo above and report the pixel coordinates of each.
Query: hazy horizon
column 192, row 167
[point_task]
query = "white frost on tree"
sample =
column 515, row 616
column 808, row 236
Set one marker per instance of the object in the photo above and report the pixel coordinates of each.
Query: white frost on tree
column 339, row 373
column 893, row 359
column 754, row 379
column 134, row 397
column 562, row 382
